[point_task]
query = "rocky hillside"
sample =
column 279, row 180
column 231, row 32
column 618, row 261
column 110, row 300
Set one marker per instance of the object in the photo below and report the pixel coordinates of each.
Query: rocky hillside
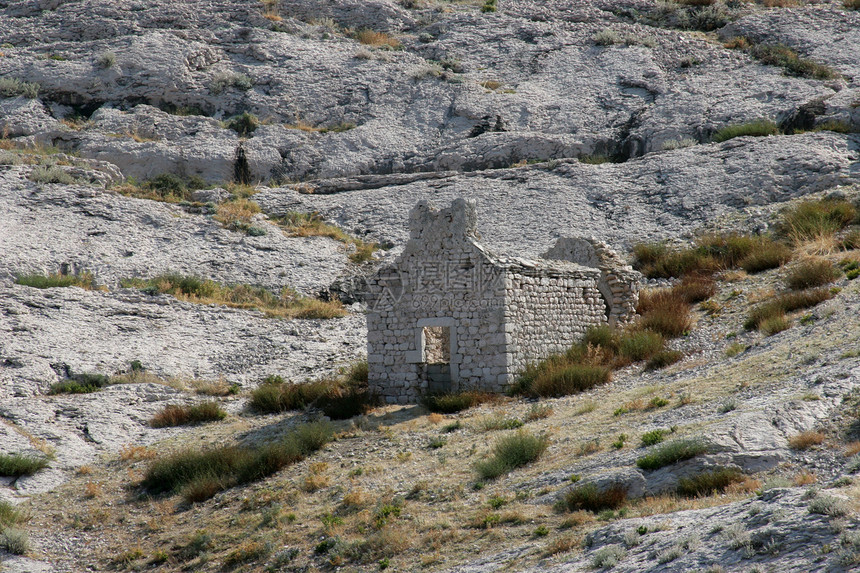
column 188, row 188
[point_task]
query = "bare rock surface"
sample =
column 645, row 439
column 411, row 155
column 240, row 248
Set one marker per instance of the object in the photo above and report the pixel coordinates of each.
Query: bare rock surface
column 559, row 118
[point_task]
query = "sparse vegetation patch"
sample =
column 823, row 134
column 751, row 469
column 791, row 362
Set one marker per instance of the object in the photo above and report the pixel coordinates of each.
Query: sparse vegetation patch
column 672, row 452
column 202, row 474
column 757, row 128
column 313, row 225
column 511, row 452
column 83, row 280
column 289, row 304
column 17, row 465
column 176, row 415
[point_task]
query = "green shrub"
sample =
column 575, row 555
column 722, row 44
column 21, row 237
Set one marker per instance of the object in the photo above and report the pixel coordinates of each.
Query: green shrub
column 812, row 219
column 14, row 541
column 654, row 437
column 244, row 124
column 757, row 128
column 207, row 472
column 106, row 60
column 569, row 379
column 51, row 174
column 663, row 359
column 489, row 6
column 223, row 81
column 672, row 452
column 12, row 87
column 589, row 497
column 80, row 384
column 608, row 557
column 709, row 482
column 830, row 506
column 786, row 58
column 512, row 452
column 453, row 403
column 84, row 280
column 175, row 415
column 16, row 465
column 640, row 345
column 813, row 272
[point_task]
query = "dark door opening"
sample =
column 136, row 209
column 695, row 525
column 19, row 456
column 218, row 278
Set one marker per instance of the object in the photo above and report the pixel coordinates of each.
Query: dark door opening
column 437, row 358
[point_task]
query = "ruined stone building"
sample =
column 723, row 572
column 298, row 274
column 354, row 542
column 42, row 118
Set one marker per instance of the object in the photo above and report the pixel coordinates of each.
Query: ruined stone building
column 449, row 316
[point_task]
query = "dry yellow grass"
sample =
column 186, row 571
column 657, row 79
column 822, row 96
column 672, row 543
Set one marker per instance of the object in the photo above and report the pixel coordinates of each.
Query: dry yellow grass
column 239, row 212
column 804, row 477
column 133, row 453
column 92, row 489
column 435, row 418
column 805, row 440
column 374, row 38
column 852, row 449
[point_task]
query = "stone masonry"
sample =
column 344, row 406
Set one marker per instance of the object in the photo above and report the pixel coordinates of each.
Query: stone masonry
column 449, row 316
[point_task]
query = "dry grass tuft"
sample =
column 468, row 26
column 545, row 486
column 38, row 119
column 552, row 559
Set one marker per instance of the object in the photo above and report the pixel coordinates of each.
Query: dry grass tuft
column 379, row 39
column 134, row 453
column 804, row 477
column 290, row 304
column 312, row 225
column 805, row 440
column 852, row 449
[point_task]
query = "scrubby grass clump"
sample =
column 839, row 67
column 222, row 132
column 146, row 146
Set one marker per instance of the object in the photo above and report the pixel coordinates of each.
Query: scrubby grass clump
column 176, row 415
column 589, row 497
column 12, row 539
column 709, row 482
column 811, row 220
column 167, row 187
column 51, row 174
column 709, row 254
column 339, row 398
column 244, row 124
column 17, row 465
column 313, row 225
column 757, row 128
column 451, row 403
column 786, row 58
column 201, row 474
column 784, row 303
column 83, row 280
column 512, row 452
column 13, row 87
column 665, row 311
column 812, row 272
column 289, row 304
column 672, row 452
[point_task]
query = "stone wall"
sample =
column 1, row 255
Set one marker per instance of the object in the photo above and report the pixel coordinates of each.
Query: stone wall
column 619, row 283
column 496, row 314
column 549, row 309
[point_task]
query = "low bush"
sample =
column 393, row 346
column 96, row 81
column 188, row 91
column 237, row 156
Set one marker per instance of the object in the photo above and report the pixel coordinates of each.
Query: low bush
column 589, row 497
column 202, row 474
column 641, row 345
column 451, row 403
column 812, row 272
column 175, row 415
column 80, row 384
column 672, row 452
column 830, row 506
column 512, row 452
column 774, row 325
column 244, row 124
column 654, row 437
column 569, row 379
column 339, row 398
column 51, row 174
column 10, row 515
column 783, row 303
column 230, row 80
column 663, row 359
column 13, row 87
column 709, row 482
column 289, row 304
column 768, row 255
column 83, row 280
column 695, row 288
column 786, row 58
column 757, row 128
column 608, row 557
column 17, row 465
column 14, row 540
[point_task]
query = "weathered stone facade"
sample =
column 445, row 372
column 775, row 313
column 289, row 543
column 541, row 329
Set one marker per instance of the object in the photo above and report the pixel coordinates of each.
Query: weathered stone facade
column 450, row 316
